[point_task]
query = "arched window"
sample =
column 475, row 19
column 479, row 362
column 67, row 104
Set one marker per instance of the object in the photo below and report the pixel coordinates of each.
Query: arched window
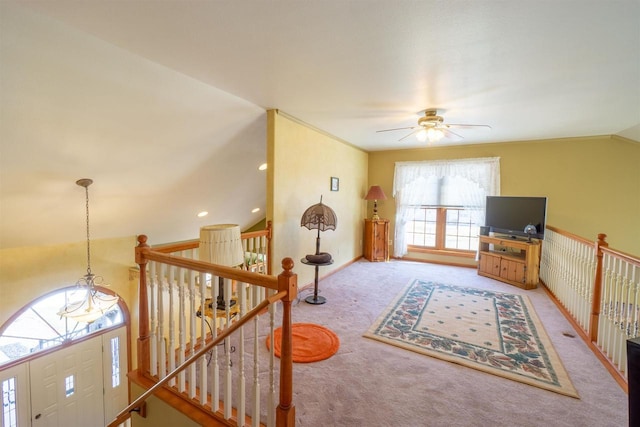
column 38, row 326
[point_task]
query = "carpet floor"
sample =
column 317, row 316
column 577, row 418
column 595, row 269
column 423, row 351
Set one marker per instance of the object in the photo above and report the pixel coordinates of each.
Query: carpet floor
column 369, row 383
column 495, row 332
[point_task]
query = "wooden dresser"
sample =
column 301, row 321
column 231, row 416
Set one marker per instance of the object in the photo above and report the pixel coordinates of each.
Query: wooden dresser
column 376, row 239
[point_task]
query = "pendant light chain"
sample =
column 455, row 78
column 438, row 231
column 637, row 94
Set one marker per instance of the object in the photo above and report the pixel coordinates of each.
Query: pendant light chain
column 88, row 239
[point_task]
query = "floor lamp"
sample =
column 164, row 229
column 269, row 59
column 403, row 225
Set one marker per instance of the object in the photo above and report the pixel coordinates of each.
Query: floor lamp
column 221, row 244
column 322, row 218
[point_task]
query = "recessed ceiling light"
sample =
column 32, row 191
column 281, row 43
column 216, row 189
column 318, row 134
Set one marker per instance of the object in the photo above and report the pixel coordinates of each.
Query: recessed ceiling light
column 202, row 214
column 262, row 167
column 255, row 210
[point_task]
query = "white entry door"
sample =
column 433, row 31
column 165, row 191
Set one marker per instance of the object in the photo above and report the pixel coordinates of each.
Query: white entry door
column 115, row 368
column 67, row 387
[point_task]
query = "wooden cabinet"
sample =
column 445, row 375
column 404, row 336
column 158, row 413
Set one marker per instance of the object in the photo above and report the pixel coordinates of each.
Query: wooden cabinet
column 376, row 239
column 513, row 261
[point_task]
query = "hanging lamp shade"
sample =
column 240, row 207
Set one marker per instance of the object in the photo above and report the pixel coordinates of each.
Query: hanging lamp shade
column 319, row 216
column 91, row 307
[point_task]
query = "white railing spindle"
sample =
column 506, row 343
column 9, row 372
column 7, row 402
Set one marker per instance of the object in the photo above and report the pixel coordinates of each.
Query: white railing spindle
column 193, row 339
column 153, row 319
column 162, row 355
column 182, row 328
column 171, row 284
column 202, row 380
column 180, row 323
column 242, row 300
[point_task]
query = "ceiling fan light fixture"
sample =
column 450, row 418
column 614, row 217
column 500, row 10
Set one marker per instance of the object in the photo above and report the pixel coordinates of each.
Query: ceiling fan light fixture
column 432, row 128
column 434, row 135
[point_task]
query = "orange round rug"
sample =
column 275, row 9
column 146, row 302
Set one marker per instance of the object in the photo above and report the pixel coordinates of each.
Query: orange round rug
column 311, row 342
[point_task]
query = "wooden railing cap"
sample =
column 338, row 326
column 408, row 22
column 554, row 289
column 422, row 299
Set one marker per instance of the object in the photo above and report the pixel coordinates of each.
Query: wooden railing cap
column 287, row 266
column 142, row 240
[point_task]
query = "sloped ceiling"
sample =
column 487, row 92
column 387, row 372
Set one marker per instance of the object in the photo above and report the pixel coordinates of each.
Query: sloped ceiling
column 163, row 103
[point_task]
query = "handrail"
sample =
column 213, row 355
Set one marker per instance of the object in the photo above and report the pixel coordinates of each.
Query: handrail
column 124, row 414
column 569, row 235
column 598, row 290
column 193, row 243
column 631, row 259
column 264, row 280
column 178, row 265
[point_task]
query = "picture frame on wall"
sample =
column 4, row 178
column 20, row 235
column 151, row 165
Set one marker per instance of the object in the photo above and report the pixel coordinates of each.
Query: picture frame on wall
column 335, row 183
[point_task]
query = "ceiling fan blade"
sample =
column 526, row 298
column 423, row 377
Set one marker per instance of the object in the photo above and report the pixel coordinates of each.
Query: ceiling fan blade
column 449, row 133
column 461, row 125
column 388, row 130
column 408, row 135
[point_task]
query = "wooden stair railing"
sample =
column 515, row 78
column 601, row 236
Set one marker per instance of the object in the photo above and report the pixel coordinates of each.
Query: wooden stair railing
column 285, row 404
column 170, row 270
column 598, row 290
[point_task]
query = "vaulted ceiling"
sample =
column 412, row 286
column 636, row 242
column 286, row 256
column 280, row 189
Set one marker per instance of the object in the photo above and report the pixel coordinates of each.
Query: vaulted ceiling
column 162, row 103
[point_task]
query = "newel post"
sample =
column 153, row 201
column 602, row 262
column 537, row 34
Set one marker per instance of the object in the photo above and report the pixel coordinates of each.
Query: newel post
column 597, row 288
column 143, row 307
column 285, row 412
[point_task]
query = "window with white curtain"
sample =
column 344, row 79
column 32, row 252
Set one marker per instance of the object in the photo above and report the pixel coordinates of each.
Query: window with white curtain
column 440, row 204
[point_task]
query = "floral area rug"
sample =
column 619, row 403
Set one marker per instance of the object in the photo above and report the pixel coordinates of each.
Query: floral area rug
column 494, row 332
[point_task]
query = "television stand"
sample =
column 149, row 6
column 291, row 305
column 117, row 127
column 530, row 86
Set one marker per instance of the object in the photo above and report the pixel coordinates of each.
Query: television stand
column 512, row 261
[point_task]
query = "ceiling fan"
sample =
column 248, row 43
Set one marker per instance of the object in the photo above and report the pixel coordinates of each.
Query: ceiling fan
column 432, row 127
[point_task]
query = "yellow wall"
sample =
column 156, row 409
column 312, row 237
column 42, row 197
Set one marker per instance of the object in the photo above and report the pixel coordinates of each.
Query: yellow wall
column 158, row 413
column 301, row 162
column 592, row 184
column 29, row 272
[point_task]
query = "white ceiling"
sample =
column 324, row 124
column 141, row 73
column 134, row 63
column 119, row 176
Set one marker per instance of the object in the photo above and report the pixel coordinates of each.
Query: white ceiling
column 161, row 101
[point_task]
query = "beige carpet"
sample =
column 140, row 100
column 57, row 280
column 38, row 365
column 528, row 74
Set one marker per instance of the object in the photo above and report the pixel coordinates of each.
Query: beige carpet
column 494, row 332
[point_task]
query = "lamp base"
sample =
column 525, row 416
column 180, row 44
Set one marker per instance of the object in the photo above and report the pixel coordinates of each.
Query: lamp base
column 375, row 217
column 316, row 300
column 220, row 305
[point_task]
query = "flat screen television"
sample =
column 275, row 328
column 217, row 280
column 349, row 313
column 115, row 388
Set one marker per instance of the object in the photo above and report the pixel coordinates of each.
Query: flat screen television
column 511, row 214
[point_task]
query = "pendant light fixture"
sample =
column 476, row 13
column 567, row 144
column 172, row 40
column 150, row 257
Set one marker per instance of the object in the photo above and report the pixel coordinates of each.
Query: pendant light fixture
column 93, row 303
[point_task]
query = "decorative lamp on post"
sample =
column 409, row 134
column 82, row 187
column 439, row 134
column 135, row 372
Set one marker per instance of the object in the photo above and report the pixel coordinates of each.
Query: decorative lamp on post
column 375, row 193
column 322, row 218
column 93, row 304
column 221, row 244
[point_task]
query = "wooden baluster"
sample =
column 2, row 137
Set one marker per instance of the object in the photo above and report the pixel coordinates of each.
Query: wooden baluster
column 271, row 392
column 143, row 306
column 287, row 281
column 153, row 318
column 597, row 288
column 192, row 332
column 227, row 394
column 606, row 304
column 172, row 324
column 241, row 409
column 635, row 280
column 203, row 338
column 162, row 348
column 214, row 368
column 182, row 328
column 255, row 416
